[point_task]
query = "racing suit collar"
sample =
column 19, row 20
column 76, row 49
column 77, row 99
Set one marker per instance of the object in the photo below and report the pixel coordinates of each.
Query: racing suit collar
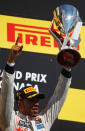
column 27, row 116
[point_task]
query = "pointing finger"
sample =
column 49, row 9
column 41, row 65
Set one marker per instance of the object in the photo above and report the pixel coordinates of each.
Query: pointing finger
column 16, row 43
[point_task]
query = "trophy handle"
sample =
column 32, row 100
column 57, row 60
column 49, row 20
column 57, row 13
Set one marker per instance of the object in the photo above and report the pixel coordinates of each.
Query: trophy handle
column 54, row 34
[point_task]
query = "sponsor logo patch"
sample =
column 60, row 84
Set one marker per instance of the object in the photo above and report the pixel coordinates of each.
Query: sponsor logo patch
column 40, row 126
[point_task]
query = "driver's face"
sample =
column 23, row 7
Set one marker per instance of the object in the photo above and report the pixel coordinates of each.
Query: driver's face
column 29, row 106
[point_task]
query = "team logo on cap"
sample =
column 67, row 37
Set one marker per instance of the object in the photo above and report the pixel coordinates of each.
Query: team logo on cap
column 29, row 89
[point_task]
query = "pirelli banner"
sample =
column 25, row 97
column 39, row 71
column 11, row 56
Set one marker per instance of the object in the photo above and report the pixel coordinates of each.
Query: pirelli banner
column 37, row 65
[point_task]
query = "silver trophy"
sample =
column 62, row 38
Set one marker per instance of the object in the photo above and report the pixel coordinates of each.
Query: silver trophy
column 65, row 29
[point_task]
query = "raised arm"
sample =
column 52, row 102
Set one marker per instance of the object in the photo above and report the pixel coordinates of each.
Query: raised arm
column 54, row 105
column 7, row 89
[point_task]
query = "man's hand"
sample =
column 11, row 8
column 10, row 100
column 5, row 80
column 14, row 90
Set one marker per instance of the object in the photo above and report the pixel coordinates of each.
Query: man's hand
column 14, row 52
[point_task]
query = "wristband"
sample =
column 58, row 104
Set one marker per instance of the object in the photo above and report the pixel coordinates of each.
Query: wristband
column 10, row 64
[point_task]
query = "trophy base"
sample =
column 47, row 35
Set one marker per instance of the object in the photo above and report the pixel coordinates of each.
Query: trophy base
column 68, row 57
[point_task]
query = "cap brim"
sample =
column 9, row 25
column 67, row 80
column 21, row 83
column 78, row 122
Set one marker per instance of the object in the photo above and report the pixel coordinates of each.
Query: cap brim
column 38, row 95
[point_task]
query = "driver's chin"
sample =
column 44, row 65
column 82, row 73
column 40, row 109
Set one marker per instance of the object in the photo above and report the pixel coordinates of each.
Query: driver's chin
column 34, row 113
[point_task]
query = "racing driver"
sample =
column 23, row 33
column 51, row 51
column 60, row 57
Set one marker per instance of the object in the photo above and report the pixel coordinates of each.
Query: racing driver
column 28, row 118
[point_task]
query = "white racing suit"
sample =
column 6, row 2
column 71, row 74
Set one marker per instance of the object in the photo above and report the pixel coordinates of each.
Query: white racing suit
column 14, row 121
